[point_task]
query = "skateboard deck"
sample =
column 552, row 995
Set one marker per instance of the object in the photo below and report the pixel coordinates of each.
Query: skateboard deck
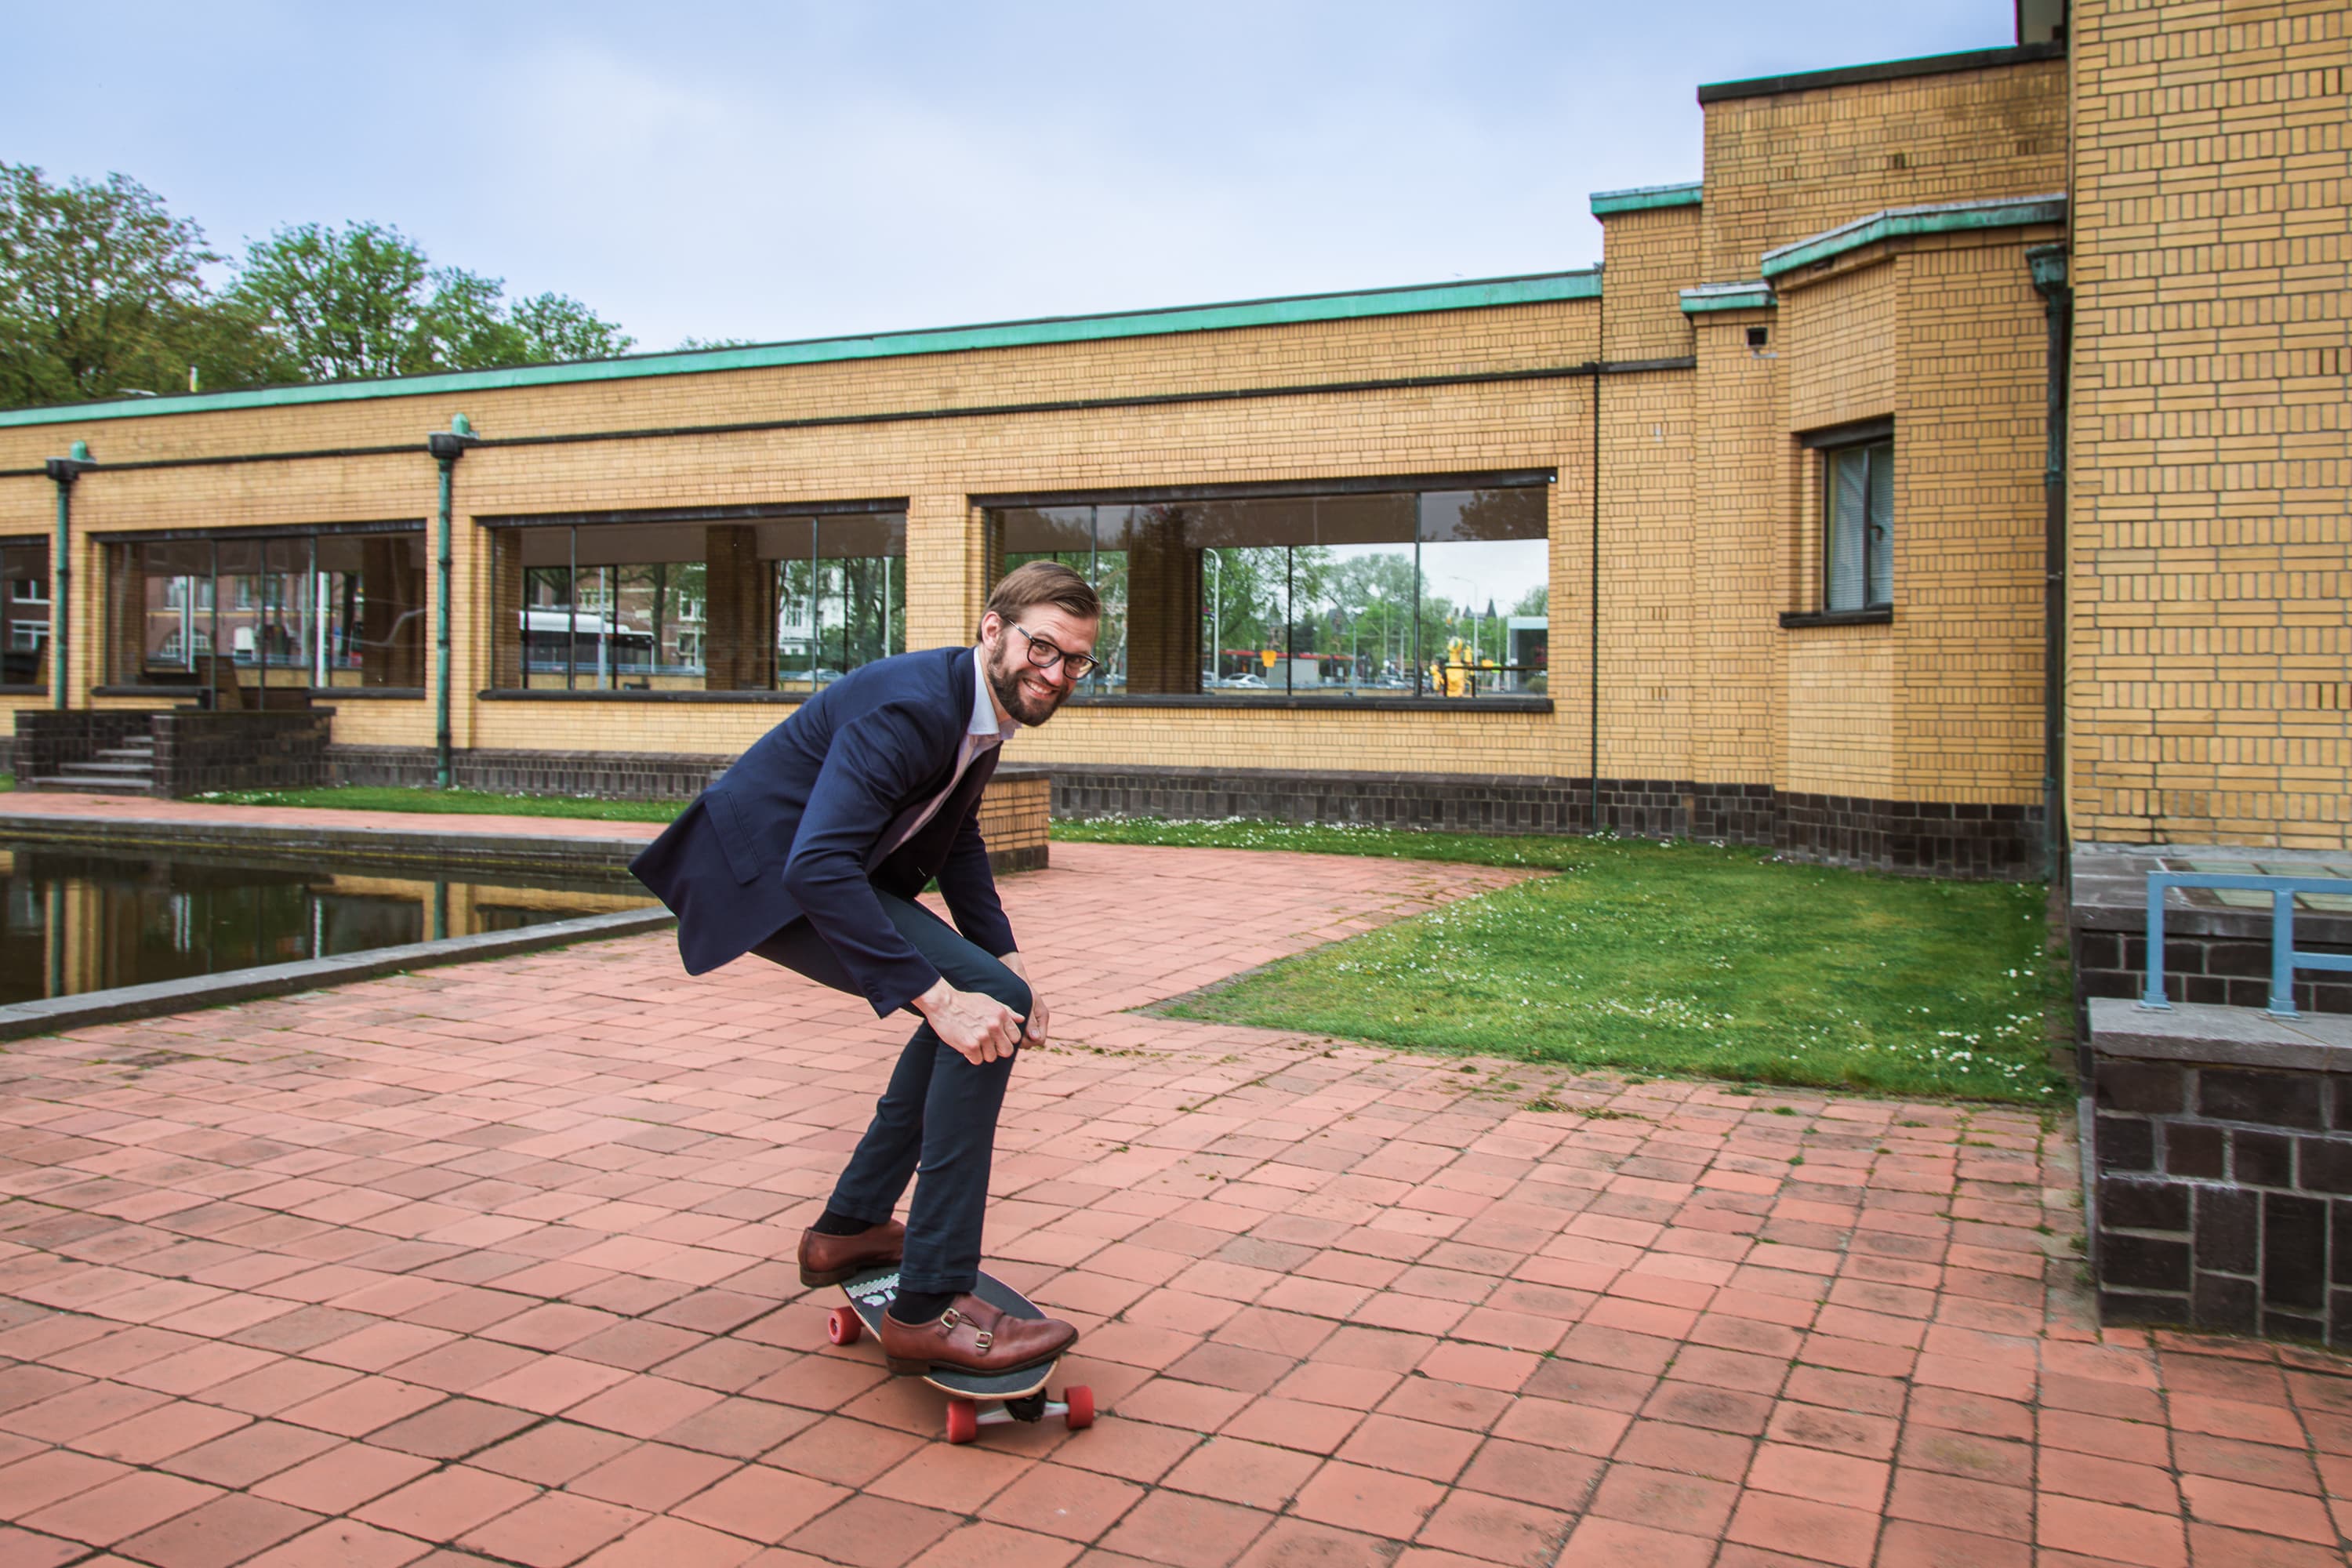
column 1019, row 1392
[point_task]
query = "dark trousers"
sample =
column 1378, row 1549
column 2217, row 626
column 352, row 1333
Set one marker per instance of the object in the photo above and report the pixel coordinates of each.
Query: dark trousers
column 937, row 1118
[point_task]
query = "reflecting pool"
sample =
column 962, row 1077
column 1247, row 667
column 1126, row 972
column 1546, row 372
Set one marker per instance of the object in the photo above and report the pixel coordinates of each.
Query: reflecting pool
column 80, row 921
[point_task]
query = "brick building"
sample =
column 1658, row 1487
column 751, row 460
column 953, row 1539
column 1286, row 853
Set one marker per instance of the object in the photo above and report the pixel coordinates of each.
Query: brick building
column 1748, row 533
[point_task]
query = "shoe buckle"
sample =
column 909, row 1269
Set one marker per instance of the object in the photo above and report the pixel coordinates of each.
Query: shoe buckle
column 982, row 1338
column 951, row 1318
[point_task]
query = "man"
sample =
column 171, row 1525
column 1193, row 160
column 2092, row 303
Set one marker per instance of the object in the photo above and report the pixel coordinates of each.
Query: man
column 809, row 850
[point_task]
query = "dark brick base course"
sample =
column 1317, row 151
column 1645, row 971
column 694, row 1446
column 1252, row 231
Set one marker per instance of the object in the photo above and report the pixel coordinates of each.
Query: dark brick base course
column 607, row 775
column 1934, row 837
column 2223, row 1198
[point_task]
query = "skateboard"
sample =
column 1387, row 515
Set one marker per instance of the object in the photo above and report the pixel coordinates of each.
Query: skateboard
column 974, row 1399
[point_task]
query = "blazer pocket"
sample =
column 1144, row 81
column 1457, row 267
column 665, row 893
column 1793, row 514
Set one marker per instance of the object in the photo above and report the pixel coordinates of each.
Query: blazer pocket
column 734, row 838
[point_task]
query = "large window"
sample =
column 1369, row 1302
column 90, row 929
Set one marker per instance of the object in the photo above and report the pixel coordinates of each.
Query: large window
column 1858, row 488
column 241, row 615
column 779, row 603
column 24, row 611
column 1437, row 593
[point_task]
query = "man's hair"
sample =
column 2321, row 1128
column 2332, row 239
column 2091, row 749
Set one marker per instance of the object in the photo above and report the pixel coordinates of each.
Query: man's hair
column 1044, row 582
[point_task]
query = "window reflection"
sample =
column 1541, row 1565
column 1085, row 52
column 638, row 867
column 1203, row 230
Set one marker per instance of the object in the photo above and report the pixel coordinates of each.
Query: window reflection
column 783, row 603
column 1440, row 594
column 243, row 616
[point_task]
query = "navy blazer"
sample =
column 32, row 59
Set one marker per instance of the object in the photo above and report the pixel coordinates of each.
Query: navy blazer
column 796, row 826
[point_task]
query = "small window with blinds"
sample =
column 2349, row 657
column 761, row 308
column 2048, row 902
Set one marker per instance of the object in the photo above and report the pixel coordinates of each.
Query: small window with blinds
column 1858, row 486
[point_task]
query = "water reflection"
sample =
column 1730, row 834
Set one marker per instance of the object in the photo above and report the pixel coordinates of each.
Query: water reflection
column 78, row 922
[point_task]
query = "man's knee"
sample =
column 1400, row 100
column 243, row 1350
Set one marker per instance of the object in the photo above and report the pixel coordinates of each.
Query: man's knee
column 1010, row 989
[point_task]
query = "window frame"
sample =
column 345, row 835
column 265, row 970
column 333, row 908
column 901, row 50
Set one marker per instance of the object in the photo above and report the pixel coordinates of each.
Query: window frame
column 1832, row 445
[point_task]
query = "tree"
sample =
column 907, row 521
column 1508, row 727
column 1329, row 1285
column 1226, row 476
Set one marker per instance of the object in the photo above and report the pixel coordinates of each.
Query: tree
column 101, row 291
column 559, row 327
column 364, row 301
column 1534, row 601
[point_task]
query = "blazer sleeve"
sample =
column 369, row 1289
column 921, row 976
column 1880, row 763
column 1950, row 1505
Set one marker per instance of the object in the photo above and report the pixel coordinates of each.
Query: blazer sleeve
column 970, row 888
column 874, row 763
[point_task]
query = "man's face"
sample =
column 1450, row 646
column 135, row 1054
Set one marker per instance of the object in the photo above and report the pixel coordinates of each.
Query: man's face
column 1028, row 692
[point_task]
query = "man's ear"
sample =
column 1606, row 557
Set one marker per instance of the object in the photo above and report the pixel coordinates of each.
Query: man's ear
column 991, row 627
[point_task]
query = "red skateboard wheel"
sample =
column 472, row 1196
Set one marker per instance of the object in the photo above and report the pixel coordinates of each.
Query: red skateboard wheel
column 842, row 1327
column 963, row 1420
column 1081, row 1402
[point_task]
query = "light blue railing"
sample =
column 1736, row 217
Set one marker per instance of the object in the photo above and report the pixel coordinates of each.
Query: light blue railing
column 2284, row 958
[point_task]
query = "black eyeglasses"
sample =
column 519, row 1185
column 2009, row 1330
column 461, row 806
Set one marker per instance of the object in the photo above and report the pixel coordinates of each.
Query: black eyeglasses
column 1045, row 656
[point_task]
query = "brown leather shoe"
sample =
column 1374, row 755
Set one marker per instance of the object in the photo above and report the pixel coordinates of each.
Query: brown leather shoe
column 972, row 1336
column 830, row 1260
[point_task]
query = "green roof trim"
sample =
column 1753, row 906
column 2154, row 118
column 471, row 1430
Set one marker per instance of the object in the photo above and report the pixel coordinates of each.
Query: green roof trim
column 1643, row 198
column 1543, row 287
column 1895, row 222
column 1706, row 297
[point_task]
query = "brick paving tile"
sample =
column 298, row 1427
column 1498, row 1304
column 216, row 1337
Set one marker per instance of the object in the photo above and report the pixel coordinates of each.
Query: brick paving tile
column 446, row 1504
column 985, row 1545
column 344, row 1544
column 1381, row 1502
column 1249, row 1473
column 674, row 1544
column 553, row 1530
column 409, row 1251
column 341, row 1479
column 1185, row 1531
column 227, row 1530
column 760, row 1504
column 1597, row 1542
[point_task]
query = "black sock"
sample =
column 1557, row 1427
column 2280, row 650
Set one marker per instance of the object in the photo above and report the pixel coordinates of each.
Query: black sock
column 832, row 1222
column 920, row 1306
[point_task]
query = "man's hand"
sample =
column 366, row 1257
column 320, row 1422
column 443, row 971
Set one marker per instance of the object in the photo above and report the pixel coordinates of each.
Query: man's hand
column 1039, row 1013
column 976, row 1025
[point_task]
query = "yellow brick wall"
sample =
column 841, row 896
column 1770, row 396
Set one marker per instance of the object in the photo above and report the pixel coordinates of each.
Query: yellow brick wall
column 1653, row 256
column 1969, row 444
column 2210, row 613
column 1647, row 644
column 1838, row 338
column 1784, row 167
column 1944, row 336
column 1743, row 501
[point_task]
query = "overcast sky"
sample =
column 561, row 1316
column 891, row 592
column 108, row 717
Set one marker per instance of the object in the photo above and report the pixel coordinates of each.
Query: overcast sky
column 771, row 171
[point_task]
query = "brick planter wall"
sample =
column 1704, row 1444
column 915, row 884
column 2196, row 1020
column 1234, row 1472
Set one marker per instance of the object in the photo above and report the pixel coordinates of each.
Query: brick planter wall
column 197, row 751
column 2223, row 1190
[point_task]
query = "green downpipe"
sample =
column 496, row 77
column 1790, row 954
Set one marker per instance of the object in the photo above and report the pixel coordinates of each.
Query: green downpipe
column 64, row 471
column 441, row 639
column 447, row 448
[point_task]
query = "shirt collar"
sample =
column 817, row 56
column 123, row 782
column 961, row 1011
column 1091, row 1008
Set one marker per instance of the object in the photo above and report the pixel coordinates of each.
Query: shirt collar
column 983, row 710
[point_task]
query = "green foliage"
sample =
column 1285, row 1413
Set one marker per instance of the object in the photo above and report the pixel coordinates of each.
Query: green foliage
column 364, row 301
column 1670, row 958
column 102, row 292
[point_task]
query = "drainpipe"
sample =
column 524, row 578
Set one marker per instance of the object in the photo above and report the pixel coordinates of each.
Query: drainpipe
column 2048, row 263
column 447, row 448
column 1592, row 650
column 65, row 471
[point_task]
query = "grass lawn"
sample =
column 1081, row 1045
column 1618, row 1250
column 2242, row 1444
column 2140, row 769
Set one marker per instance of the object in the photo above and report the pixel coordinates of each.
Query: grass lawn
column 1678, row 958
column 359, row 797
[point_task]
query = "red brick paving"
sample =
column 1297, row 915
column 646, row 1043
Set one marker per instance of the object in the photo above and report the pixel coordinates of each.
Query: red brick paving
column 483, row 1263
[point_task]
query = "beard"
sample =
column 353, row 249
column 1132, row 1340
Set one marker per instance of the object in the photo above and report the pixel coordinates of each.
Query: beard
column 1023, row 702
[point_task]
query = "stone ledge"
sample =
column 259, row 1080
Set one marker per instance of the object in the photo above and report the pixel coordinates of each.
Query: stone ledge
column 2227, row 1037
column 406, row 846
column 56, row 1014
